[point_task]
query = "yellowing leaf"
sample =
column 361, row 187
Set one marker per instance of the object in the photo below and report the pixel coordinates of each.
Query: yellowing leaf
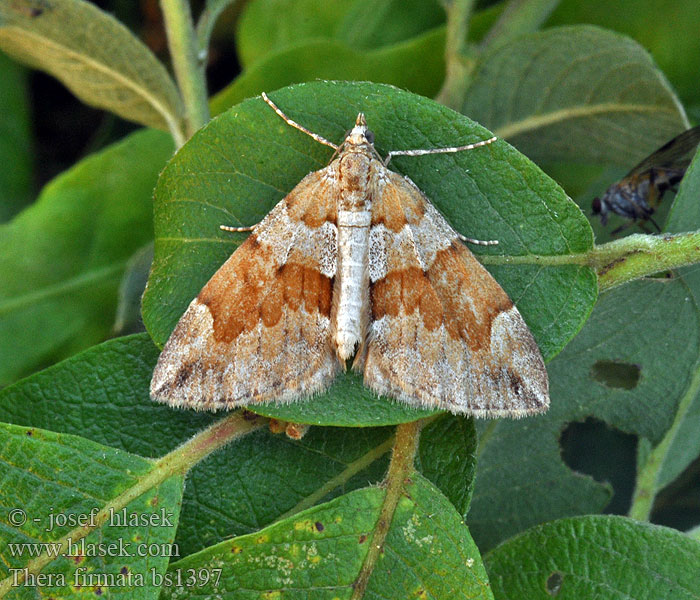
column 93, row 55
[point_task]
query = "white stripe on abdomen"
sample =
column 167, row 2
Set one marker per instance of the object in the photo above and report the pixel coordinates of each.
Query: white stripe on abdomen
column 353, row 241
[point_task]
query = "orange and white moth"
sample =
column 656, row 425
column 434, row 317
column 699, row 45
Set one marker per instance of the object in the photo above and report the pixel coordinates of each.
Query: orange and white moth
column 354, row 262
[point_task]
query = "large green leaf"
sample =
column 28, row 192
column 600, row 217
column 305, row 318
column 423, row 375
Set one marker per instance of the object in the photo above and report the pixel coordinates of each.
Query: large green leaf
column 61, row 260
column 417, row 65
column 521, row 479
column 93, row 55
column 667, row 29
column 596, row 557
column 47, row 477
column 102, row 394
column 684, row 445
column 227, row 174
column 575, row 93
column 447, row 457
column 428, row 553
column 634, row 365
column 359, row 24
column 660, row 462
column 15, row 139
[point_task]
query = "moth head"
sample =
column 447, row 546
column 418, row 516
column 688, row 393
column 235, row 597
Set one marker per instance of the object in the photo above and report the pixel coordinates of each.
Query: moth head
column 360, row 135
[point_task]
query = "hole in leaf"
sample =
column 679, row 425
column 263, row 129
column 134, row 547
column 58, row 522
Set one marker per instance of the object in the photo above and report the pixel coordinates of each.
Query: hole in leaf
column 616, row 374
column 662, row 275
column 606, row 454
column 554, row 582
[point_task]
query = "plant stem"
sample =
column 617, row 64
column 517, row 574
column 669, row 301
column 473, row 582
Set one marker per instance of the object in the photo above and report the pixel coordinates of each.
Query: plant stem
column 182, row 41
column 621, row 261
column 341, row 478
column 207, row 19
column 459, row 56
column 641, row 255
column 518, row 17
column 400, row 467
column 648, row 474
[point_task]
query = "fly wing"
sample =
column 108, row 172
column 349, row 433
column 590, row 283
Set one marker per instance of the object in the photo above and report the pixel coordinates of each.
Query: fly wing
column 675, row 154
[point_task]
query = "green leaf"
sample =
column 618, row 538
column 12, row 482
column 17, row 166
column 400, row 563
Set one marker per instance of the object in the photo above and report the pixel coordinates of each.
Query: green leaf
column 45, row 474
column 318, row 553
column 227, row 175
column 265, row 477
column 417, row 64
column 521, row 479
column 447, row 457
column 362, row 24
column 684, row 447
column 102, row 394
column 634, row 329
column 685, row 211
column 298, row 21
column 348, row 403
column 128, row 317
column 596, row 557
column 61, row 260
column 375, row 23
column 94, row 56
column 207, row 20
column 667, row 30
column 15, row 140
column 575, row 93
column 659, row 466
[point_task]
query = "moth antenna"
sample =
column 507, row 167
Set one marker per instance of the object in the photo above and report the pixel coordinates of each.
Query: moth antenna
column 288, row 121
column 438, row 150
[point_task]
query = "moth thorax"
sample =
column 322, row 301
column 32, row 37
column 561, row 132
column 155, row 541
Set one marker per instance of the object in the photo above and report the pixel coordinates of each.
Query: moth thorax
column 353, row 172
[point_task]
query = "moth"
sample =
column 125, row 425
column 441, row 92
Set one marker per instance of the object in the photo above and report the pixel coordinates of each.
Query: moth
column 354, row 264
column 638, row 193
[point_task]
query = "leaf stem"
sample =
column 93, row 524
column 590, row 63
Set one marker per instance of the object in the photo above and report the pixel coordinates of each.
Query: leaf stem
column 621, row 261
column 341, row 478
column 518, row 17
column 207, row 19
column 182, row 41
column 648, row 474
column 175, row 463
column 641, row 255
column 459, row 54
column 400, row 467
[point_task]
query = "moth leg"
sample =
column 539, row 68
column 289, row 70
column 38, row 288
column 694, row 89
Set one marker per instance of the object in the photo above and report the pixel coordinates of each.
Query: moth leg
column 236, row 229
column 477, row 242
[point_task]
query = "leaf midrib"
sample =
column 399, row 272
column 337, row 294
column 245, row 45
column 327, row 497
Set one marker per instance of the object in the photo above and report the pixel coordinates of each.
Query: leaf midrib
column 60, row 288
column 130, row 84
column 539, row 121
